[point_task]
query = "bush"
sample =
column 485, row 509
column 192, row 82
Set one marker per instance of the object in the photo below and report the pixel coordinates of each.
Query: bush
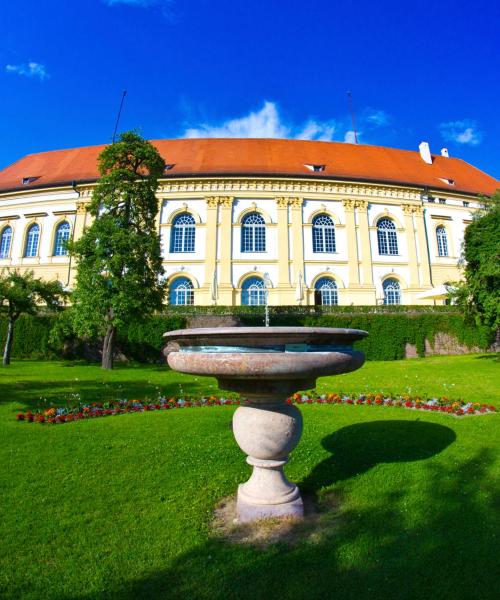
column 390, row 330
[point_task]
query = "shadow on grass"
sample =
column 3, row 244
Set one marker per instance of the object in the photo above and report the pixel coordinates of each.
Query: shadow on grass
column 357, row 448
column 444, row 547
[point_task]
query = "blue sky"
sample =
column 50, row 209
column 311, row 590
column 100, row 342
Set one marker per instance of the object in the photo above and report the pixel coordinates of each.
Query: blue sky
column 261, row 68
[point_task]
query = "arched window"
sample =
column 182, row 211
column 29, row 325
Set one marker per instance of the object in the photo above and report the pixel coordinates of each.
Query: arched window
column 386, row 235
column 5, row 241
column 32, row 238
column 325, row 292
column 253, row 233
column 323, row 234
column 181, row 291
column 392, row 291
column 442, row 241
column 62, row 236
column 253, row 292
column 183, row 233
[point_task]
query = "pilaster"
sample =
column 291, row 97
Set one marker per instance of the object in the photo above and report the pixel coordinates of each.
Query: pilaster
column 283, row 245
column 225, row 235
column 352, row 244
column 364, row 234
column 297, row 240
column 412, row 248
column 423, row 247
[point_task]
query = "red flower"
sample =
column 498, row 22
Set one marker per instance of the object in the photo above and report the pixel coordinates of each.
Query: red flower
column 378, row 401
column 20, row 416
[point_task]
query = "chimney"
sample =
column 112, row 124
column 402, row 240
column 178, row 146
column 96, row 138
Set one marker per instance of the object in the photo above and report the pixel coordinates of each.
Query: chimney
column 425, row 152
column 444, row 152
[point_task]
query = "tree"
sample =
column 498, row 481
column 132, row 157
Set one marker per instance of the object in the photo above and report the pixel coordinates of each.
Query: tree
column 22, row 293
column 119, row 263
column 479, row 294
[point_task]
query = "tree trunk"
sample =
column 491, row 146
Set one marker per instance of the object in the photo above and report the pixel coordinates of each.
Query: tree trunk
column 8, row 342
column 108, row 348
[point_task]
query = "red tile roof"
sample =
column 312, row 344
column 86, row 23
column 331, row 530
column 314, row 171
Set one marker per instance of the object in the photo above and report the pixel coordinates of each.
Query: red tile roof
column 266, row 157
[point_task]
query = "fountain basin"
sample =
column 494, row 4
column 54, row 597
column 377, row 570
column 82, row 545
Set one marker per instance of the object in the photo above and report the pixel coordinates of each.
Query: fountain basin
column 265, row 365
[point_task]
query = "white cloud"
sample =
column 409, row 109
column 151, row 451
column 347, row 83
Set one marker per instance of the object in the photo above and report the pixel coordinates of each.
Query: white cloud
column 265, row 123
column 461, row 132
column 350, row 137
column 376, row 117
column 31, row 69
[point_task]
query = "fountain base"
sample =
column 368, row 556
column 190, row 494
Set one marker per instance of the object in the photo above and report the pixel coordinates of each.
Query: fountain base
column 247, row 512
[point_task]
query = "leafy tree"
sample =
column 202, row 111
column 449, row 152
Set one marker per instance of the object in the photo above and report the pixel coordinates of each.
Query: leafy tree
column 22, row 293
column 479, row 294
column 119, row 264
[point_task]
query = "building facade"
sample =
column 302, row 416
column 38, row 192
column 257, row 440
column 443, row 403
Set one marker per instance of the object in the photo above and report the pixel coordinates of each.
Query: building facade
column 237, row 231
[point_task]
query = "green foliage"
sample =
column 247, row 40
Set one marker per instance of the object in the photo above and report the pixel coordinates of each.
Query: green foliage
column 24, row 294
column 479, row 295
column 118, row 257
column 32, row 338
column 143, row 341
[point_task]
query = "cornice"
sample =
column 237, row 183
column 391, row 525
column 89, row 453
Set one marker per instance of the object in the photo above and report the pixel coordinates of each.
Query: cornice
column 288, row 185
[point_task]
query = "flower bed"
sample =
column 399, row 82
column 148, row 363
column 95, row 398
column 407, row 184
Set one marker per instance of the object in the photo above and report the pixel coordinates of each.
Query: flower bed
column 93, row 410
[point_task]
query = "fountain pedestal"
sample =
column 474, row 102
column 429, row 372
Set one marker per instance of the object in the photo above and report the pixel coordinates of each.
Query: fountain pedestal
column 266, row 365
column 267, row 430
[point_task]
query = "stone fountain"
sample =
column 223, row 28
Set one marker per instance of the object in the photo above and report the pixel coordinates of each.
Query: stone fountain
column 265, row 365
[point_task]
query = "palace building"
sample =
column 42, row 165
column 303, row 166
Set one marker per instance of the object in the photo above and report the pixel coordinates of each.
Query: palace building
column 303, row 222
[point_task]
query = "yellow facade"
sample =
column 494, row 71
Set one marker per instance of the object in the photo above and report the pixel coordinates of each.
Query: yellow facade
column 219, row 266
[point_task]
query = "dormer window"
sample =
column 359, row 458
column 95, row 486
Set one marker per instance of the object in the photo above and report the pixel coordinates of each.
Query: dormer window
column 28, row 180
column 168, row 167
column 315, row 168
column 446, row 180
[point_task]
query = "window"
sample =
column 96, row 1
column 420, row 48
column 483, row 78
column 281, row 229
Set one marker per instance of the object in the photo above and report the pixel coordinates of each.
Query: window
column 316, row 168
column 442, row 241
column 386, row 235
column 392, row 291
column 5, row 241
column 253, row 233
column 32, row 237
column 325, row 292
column 62, row 236
column 181, row 292
column 442, row 200
column 323, row 234
column 253, row 292
column 183, row 233
column 465, row 203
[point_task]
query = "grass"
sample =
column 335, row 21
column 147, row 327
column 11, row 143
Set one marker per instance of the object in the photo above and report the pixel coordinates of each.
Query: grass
column 121, row 507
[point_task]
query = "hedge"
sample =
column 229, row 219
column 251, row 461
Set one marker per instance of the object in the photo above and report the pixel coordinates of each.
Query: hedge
column 389, row 330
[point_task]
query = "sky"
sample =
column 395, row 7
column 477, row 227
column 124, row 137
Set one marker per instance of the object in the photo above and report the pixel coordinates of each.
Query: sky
column 425, row 70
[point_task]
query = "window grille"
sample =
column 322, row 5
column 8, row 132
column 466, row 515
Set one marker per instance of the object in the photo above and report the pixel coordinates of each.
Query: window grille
column 253, row 292
column 323, row 234
column 183, row 234
column 181, row 292
column 5, row 241
column 325, row 292
column 32, row 239
column 392, row 291
column 253, row 233
column 442, row 241
column 387, row 239
column 62, row 236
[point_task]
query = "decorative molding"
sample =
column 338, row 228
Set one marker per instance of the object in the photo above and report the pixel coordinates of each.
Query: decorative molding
column 282, row 202
column 348, row 205
column 63, row 212
column 441, row 217
column 35, row 214
column 81, row 208
column 288, row 185
column 362, row 205
column 9, row 218
column 296, row 202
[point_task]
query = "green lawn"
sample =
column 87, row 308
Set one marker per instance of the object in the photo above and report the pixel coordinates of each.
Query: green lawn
column 120, row 507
